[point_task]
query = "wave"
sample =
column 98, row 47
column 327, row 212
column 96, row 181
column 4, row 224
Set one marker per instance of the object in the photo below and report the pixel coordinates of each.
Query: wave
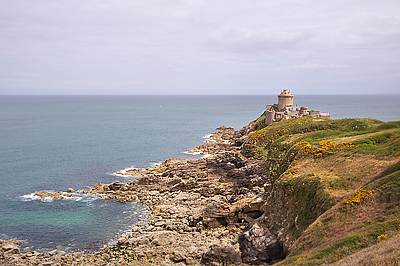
column 31, row 197
column 192, row 152
column 124, row 171
column 153, row 165
column 207, row 137
column 204, row 155
column 87, row 198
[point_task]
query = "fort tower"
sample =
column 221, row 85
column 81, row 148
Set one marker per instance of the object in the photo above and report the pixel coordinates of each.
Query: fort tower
column 285, row 99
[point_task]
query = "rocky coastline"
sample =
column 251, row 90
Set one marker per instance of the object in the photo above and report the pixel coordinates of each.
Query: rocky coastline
column 295, row 191
column 199, row 209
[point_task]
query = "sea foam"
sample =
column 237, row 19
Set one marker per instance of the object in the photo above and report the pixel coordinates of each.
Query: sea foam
column 31, row 197
column 88, row 198
column 124, row 171
column 207, row 137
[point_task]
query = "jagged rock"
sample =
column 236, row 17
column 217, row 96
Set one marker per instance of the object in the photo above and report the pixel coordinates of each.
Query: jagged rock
column 10, row 248
column 53, row 252
column 178, row 256
column 122, row 239
column 258, row 244
column 142, row 240
column 99, row 188
column 217, row 256
column 116, row 186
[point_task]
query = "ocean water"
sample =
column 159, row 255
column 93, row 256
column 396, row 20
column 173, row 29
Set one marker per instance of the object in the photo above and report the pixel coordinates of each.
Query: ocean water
column 51, row 143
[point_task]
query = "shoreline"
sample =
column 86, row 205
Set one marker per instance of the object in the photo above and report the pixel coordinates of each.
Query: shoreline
column 186, row 209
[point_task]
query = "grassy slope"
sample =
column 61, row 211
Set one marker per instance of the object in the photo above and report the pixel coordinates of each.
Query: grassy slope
column 347, row 203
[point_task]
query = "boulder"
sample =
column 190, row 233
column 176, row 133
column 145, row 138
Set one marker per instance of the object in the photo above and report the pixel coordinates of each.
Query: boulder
column 53, row 252
column 99, row 188
column 220, row 256
column 115, row 186
column 178, row 255
column 10, row 248
column 70, row 190
column 122, row 239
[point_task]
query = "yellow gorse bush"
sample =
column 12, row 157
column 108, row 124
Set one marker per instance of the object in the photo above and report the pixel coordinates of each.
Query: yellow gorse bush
column 291, row 172
column 267, row 135
column 271, row 133
column 382, row 237
column 300, row 259
column 397, row 219
column 358, row 197
column 322, row 148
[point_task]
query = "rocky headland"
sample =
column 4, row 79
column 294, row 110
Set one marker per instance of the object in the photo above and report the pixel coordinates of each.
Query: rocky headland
column 257, row 198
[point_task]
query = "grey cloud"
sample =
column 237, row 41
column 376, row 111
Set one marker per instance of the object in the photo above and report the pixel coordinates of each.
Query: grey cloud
column 313, row 66
column 197, row 46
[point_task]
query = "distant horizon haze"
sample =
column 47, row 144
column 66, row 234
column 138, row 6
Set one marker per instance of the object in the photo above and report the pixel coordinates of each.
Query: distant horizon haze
column 266, row 94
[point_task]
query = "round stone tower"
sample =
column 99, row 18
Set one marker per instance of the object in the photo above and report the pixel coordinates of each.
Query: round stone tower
column 284, row 99
column 269, row 115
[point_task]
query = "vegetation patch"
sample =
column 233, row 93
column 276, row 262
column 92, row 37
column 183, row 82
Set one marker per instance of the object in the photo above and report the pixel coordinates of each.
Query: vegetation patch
column 384, row 144
column 359, row 197
column 116, row 253
column 311, row 200
column 321, row 148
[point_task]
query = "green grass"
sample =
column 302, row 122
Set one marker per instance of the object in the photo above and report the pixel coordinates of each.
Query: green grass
column 389, row 186
column 383, row 144
column 391, row 169
column 389, row 125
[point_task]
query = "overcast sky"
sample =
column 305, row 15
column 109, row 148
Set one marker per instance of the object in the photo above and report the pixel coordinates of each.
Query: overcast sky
column 199, row 46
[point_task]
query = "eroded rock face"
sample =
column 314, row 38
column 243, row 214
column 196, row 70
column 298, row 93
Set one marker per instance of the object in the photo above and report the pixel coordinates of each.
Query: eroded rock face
column 258, row 244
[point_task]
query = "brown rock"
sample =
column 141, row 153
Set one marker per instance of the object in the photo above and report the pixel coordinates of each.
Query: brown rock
column 221, row 256
column 8, row 247
column 53, row 252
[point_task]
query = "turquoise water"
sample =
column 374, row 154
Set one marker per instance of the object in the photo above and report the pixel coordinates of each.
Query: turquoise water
column 51, row 143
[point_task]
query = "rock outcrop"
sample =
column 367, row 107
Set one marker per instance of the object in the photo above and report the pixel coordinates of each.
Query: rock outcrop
column 199, row 208
column 55, row 195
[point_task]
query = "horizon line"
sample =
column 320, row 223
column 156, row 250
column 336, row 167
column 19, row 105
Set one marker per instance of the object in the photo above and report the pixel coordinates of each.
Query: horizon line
column 324, row 94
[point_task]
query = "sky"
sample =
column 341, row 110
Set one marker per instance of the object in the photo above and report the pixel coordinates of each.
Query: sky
column 255, row 47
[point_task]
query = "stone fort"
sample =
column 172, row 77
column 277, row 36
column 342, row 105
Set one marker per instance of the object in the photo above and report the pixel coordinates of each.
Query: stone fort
column 285, row 109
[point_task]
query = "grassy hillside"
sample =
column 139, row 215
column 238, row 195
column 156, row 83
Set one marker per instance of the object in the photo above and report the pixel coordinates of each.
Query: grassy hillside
column 343, row 177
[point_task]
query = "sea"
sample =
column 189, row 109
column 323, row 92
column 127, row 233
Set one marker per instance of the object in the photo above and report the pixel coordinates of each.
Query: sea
column 52, row 143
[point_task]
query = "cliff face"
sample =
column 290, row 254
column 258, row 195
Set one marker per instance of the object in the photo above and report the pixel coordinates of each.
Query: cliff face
column 328, row 195
column 301, row 191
